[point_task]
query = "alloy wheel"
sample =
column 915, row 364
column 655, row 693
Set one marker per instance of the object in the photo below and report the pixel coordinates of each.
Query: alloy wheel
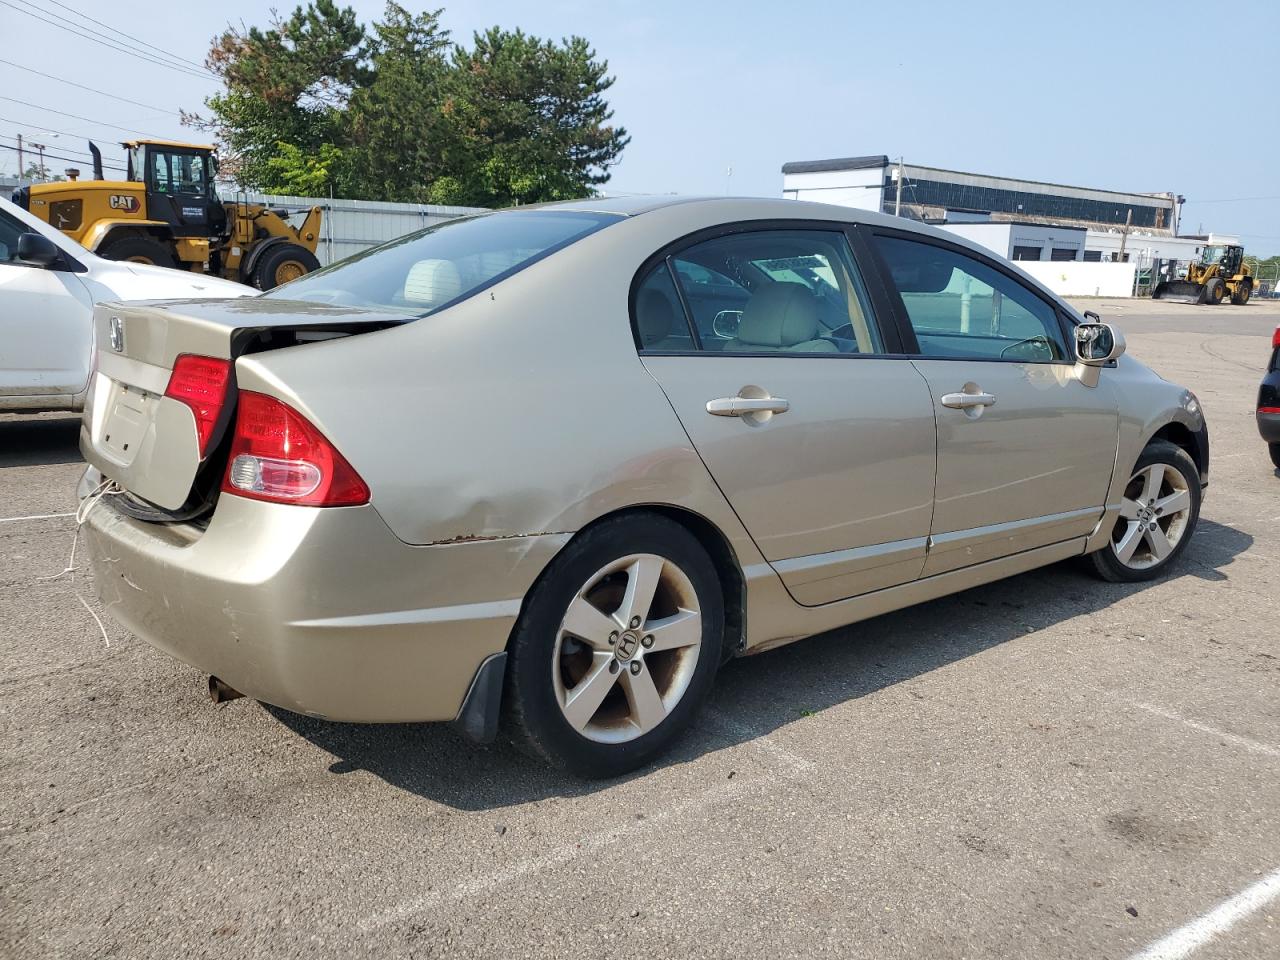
column 627, row 648
column 1154, row 513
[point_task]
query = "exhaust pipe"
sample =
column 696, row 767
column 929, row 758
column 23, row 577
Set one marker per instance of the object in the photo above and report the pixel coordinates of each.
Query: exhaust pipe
column 97, row 160
column 219, row 692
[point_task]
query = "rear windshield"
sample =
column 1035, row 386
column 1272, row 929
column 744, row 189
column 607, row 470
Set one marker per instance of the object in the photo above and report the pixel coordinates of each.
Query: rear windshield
column 428, row 269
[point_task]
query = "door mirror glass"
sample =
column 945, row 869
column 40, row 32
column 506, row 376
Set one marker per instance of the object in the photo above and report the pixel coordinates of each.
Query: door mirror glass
column 37, row 250
column 726, row 323
column 1098, row 343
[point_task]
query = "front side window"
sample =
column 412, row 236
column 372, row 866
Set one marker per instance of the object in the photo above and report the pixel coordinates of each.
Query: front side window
column 423, row 271
column 960, row 307
column 771, row 291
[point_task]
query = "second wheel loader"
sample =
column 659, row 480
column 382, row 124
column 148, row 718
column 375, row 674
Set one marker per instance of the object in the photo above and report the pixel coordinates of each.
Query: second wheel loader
column 167, row 212
column 1220, row 274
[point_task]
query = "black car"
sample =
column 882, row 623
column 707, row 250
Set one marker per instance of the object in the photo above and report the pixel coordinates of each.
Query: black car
column 1269, row 402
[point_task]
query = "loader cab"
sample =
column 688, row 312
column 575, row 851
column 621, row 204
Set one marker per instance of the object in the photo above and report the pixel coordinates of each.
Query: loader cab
column 1225, row 257
column 179, row 182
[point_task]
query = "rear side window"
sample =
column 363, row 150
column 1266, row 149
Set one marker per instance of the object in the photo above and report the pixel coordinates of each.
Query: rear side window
column 10, row 230
column 426, row 270
column 960, row 307
column 768, row 291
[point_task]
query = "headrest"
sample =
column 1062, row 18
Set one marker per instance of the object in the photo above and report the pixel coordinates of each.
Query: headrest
column 780, row 315
column 654, row 317
column 432, row 283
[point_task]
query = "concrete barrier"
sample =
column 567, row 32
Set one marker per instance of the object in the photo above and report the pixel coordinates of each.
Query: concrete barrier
column 1076, row 278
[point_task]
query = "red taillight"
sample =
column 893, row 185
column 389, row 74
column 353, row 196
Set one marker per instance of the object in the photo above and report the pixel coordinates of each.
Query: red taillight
column 1275, row 338
column 277, row 455
column 200, row 383
column 1269, row 409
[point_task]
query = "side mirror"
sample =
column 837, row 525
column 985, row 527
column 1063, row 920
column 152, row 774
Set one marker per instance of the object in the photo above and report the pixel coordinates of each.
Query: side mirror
column 1098, row 344
column 37, row 250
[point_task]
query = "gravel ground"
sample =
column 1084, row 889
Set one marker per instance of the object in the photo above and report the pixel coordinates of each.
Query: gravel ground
column 1046, row 767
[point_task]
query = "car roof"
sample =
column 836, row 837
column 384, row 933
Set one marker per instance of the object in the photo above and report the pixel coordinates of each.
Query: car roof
column 729, row 208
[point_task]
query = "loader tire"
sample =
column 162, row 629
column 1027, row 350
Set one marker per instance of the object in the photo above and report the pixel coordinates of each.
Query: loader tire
column 139, row 250
column 282, row 263
column 1241, row 295
column 1213, row 291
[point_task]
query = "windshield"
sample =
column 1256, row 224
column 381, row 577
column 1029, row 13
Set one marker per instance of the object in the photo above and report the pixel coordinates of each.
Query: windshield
column 431, row 268
column 1212, row 254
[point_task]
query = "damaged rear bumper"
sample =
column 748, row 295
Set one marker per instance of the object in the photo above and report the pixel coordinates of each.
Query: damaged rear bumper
column 320, row 611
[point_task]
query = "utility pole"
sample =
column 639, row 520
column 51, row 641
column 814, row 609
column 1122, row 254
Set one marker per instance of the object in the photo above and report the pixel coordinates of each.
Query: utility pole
column 20, row 168
column 1128, row 222
column 43, row 174
column 897, row 199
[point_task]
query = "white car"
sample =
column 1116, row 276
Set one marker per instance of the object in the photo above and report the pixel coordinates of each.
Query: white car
column 48, row 286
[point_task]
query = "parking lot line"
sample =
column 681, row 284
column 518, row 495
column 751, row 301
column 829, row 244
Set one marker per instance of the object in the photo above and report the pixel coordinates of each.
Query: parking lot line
column 1189, row 938
column 1246, row 743
column 37, row 516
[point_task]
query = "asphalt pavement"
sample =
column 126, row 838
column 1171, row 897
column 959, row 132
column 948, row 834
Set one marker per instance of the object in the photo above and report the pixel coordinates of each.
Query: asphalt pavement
column 1047, row 767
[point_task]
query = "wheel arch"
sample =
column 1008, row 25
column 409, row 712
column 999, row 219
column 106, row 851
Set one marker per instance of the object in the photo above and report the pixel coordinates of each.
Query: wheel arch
column 1194, row 442
column 107, row 231
column 733, row 584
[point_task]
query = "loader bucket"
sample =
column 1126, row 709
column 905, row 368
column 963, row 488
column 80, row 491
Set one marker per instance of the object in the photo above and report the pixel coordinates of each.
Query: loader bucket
column 1182, row 291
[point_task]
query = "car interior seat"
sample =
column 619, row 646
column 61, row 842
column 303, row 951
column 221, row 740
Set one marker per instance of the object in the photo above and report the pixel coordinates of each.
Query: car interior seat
column 432, row 283
column 655, row 322
column 781, row 316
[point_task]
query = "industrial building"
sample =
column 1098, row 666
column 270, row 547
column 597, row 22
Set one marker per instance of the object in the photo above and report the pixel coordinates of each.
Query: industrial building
column 1026, row 220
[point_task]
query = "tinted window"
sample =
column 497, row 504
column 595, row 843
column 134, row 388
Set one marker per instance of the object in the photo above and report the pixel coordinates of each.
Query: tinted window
column 423, row 271
column 960, row 307
column 776, row 291
column 660, row 321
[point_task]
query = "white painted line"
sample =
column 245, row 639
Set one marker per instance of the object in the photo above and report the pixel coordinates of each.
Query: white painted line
column 795, row 763
column 1253, row 746
column 38, row 516
column 486, row 883
column 1187, row 939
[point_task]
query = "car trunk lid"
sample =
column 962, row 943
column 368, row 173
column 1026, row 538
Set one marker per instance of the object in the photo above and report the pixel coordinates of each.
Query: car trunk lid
column 150, row 443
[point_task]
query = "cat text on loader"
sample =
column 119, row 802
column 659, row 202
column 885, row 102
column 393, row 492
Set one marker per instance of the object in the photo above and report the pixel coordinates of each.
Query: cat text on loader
column 167, row 212
column 1220, row 273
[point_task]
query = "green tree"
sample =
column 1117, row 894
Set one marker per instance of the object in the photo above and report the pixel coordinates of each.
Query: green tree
column 317, row 102
column 531, row 120
column 399, row 136
column 289, row 83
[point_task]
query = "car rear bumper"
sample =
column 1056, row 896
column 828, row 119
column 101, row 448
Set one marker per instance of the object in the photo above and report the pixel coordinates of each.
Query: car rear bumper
column 319, row 611
column 1269, row 427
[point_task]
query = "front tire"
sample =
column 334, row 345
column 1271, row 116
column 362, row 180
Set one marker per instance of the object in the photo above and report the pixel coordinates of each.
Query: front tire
column 139, row 250
column 282, row 263
column 617, row 647
column 1213, row 291
column 1158, row 514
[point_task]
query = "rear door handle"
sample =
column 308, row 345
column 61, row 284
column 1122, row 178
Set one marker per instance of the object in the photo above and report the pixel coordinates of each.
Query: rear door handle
column 962, row 401
column 746, row 406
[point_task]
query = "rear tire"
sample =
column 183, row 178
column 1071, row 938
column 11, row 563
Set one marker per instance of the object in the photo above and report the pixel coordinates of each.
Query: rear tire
column 1161, row 507
column 1213, row 291
column 1274, row 449
column 281, row 264
column 1241, row 296
column 137, row 249
column 589, row 689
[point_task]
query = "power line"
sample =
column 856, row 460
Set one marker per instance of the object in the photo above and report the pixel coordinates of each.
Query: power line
column 1234, row 200
column 81, row 155
column 73, row 116
column 107, row 42
column 103, row 93
column 130, row 39
column 36, row 126
column 47, row 156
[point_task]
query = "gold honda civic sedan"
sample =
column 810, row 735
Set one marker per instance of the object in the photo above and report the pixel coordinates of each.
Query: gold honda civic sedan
column 542, row 471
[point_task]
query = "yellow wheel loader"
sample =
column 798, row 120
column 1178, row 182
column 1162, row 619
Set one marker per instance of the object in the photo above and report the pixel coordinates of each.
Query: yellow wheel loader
column 167, row 212
column 1221, row 273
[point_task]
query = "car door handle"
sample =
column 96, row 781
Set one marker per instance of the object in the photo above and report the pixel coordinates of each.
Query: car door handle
column 962, row 401
column 746, row 406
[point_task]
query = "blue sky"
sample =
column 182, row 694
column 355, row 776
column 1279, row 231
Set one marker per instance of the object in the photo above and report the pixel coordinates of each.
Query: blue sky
column 1128, row 96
